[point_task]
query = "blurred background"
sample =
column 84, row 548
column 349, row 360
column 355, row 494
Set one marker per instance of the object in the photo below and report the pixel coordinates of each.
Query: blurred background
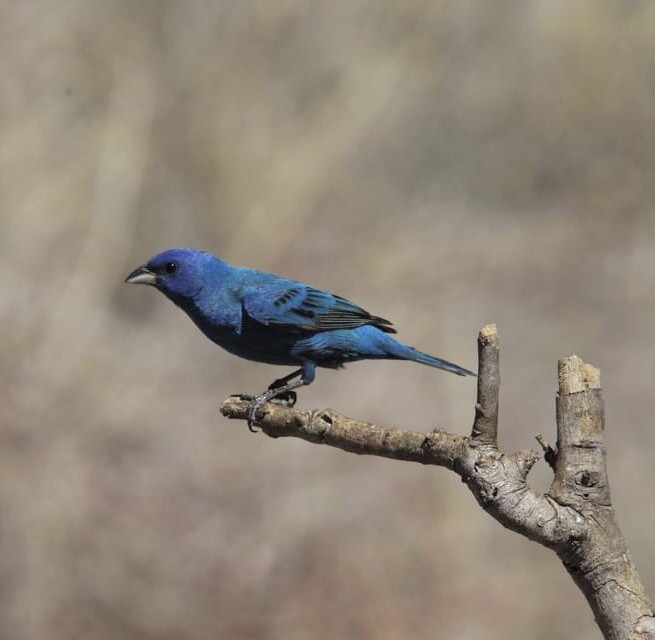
column 444, row 164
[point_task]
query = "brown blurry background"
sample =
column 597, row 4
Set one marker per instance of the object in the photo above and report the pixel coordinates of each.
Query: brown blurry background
column 445, row 164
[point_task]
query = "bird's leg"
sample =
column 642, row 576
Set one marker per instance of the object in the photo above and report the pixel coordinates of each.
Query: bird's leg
column 282, row 386
column 287, row 398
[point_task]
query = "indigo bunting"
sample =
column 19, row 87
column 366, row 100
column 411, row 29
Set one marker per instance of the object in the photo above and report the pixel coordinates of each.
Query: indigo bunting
column 267, row 318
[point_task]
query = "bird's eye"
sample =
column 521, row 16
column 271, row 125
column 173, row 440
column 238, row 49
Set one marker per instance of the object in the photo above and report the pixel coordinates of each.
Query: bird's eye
column 170, row 268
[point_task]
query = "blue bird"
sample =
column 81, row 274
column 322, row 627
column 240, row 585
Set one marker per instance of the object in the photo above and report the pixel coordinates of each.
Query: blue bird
column 267, row 318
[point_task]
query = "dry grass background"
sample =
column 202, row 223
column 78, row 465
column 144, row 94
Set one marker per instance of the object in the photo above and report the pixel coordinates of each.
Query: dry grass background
column 445, row 164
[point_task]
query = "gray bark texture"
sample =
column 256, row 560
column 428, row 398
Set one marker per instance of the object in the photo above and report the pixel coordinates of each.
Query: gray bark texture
column 575, row 518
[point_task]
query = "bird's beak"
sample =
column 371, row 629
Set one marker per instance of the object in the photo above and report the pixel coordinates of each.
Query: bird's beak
column 142, row 275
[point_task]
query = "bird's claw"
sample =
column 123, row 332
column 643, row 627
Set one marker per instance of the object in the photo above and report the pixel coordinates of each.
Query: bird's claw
column 257, row 402
column 286, row 399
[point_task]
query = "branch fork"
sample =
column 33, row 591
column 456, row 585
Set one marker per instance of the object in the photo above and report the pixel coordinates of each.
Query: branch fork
column 575, row 517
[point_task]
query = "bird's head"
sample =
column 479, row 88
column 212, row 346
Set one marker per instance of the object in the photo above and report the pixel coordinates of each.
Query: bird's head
column 178, row 273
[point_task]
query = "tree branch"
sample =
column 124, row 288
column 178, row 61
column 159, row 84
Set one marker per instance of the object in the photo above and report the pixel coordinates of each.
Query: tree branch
column 575, row 518
column 600, row 565
column 485, row 425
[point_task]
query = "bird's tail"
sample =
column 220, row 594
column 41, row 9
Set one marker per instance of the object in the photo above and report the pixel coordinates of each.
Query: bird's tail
column 400, row 351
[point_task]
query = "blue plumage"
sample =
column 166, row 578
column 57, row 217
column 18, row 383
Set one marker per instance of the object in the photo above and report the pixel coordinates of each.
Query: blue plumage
column 266, row 318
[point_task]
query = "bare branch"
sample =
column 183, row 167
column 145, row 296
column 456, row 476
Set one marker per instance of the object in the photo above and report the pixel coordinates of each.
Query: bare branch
column 575, row 518
column 333, row 429
column 600, row 565
column 485, row 426
column 497, row 480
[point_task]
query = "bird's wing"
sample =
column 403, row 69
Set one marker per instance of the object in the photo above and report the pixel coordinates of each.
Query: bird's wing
column 302, row 308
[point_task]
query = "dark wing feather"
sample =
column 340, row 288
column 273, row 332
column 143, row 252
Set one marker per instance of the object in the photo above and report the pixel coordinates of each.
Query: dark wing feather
column 304, row 308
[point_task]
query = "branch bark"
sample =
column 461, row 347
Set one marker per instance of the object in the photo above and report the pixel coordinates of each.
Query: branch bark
column 575, row 517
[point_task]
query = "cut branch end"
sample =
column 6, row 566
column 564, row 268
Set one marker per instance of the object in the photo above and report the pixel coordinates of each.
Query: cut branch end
column 574, row 376
column 489, row 335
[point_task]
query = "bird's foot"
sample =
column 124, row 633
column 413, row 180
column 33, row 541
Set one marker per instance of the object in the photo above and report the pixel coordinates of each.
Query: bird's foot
column 256, row 403
column 285, row 398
